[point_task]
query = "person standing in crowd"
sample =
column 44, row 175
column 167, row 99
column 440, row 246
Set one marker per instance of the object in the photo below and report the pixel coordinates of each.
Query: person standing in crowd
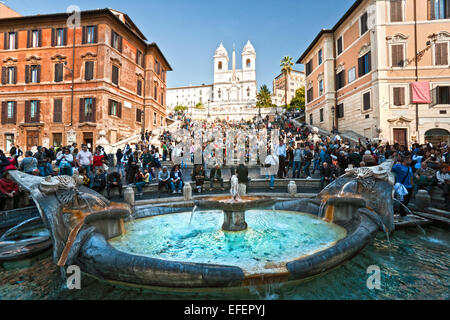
column 308, row 157
column 199, row 177
column 326, row 173
column 216, row 176
column 443, row 182
column 42, row 161
column 297, row 165
column 113, row 180
column 8, row 190
column 270, row 163
column 29, row 164
column 85, row 159
column 99, row 159
column 176, row 180
column 65, row 161
column 132, row 167
column 99, row 180
column 163, row 179
column 282, row 159
column 404, row 175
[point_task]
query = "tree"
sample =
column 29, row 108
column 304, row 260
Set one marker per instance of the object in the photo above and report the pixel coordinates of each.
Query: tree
column 264, row 100
column 298, row 102
column 199, row 106
column 180, row 108
column 286, row 68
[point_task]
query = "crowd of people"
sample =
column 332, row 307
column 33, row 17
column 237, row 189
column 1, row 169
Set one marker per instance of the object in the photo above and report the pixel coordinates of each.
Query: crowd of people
column 298, row 152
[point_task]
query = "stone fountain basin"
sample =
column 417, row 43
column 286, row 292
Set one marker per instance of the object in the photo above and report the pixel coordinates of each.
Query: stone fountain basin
column 102, row 261
column 226, row 203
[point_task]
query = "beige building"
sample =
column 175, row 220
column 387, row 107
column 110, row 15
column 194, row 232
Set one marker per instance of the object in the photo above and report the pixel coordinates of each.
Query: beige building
column 359, row 74
column 295, row 80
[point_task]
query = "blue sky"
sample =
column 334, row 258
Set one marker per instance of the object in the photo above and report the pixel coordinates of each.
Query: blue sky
column 189, row 31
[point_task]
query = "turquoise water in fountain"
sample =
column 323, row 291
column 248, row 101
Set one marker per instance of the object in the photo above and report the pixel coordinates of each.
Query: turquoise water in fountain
column 272, row 239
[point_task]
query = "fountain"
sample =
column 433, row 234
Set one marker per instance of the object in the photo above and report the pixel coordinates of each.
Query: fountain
column 235, row 241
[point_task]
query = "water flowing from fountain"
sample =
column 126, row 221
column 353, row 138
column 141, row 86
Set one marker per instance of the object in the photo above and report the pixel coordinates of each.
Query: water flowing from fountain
column 192, row 215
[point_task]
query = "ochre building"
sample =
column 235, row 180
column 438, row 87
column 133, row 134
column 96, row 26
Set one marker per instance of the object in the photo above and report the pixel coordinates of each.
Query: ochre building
column 118, row 83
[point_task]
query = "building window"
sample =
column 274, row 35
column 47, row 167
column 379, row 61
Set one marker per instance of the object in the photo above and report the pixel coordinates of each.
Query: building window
column 340, row 80
column 220, row 65
column 32, row 111
column 87, row 109
column 320, row 56
column 139, row 115
column 116, row 41
column 320, row 87
column 248, row 91
column 340, row 110
column 115, row 75
column 157, row 67
column 155, row 93
column 89, row 34
column 57, row 111
column 441, row 54
column 439, row 9
column 32, row 73
column 396, row 10
column 59, row 68
column 57, row 140
column 220, row 93
column 399, row 96
column 11, row 41
column 352, row 75
column 397, row 55
column 60, row 37
column 35, row 37
column 139, row 58
column 115, row 108
column 89, row 70
column 443, row 95
column 311, row 119
column 154, row 118
column 339, row 46
column 9, row 75
column 364, row 23
column 321, row 115
column 248, row 63
column 9, row 112
column 309, row 67
column 310, row 95
column 139, row 87
column 366, row 101
column 364, row 64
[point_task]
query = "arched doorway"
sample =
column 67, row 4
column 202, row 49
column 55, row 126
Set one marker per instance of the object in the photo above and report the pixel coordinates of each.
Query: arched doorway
column 436, row 136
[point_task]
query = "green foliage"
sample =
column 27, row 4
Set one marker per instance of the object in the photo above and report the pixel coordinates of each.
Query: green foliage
column 286, row 68
column 180, row 108
column 199, row 106
column 264, row 100
column 298, row 102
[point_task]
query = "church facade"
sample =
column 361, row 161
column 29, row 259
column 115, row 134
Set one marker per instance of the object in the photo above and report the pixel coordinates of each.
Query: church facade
column 231, row 96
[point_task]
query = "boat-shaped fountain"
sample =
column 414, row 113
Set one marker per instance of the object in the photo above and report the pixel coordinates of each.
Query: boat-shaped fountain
column 230, row 242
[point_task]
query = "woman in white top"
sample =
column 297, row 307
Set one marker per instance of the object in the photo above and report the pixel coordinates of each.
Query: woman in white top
column 271, row 164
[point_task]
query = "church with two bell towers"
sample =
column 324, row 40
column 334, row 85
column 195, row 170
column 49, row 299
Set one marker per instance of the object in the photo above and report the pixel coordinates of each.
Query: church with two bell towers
column 235, row 85
column 233, row 93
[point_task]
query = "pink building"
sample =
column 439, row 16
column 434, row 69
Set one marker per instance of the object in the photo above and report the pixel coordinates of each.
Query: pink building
column 359, row 74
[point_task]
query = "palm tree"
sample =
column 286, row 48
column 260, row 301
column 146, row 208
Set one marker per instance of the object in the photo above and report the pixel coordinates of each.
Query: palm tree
column 286, row 68
column 263, row 98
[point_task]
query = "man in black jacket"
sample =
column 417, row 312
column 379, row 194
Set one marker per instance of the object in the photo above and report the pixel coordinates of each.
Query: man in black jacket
column 326, row 175
column 242, row 174
column 114, row 181
column 216, row 176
